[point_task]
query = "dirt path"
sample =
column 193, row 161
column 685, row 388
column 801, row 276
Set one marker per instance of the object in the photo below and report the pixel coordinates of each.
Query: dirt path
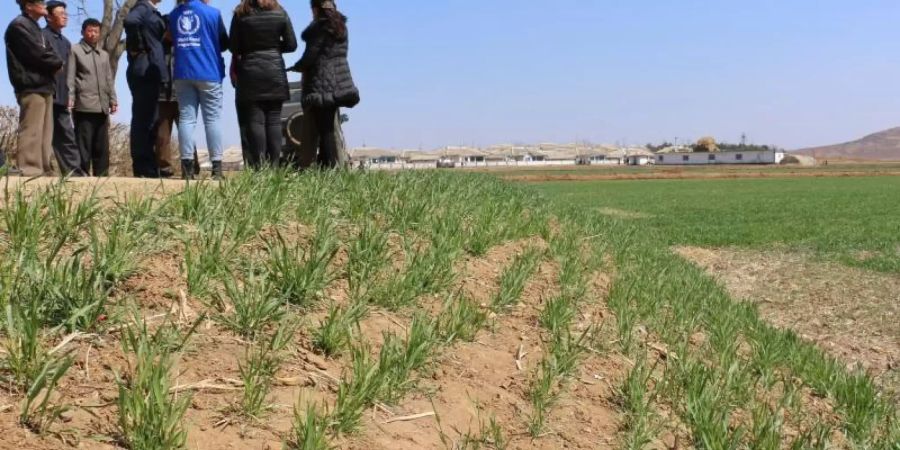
column 105, row 189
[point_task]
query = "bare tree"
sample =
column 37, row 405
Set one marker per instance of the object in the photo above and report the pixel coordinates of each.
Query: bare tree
column 114, row 12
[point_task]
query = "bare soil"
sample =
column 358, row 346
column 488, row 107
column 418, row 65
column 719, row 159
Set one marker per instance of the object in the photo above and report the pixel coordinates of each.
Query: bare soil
column 475, row 382
column 623, row 213
column 853, row 314
column 469, row 384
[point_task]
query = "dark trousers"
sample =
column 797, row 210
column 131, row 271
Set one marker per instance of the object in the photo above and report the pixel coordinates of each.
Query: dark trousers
column 168, row 117
column 322, row 140
column 92, row 132
column 250, row 157
column 263, row 129
column 144, row 116
column 67, row 152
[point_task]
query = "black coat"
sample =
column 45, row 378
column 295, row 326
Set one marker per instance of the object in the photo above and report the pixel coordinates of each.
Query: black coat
column 257, row 40
column 30, row 60
column 144, row 32
column 327, row 82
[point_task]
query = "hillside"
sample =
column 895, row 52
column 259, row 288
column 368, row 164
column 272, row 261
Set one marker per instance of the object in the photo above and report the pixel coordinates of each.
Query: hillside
column 881, row 146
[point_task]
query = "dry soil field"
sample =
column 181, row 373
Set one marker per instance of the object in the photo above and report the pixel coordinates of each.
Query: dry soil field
column 425, row 310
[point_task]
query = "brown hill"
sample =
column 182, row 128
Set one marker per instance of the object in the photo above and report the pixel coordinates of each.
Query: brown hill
column 882, row 146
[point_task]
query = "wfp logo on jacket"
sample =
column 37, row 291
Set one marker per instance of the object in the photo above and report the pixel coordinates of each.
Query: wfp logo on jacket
column 199, row 37
column 188, row 27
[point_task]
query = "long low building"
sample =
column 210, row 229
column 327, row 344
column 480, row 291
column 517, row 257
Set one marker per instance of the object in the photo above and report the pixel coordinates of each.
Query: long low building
column 770, row 156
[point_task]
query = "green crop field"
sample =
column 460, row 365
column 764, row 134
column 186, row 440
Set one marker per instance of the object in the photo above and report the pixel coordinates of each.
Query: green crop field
column 841, row 218
column 724, row 171
column 435, row 310
column 853, row 220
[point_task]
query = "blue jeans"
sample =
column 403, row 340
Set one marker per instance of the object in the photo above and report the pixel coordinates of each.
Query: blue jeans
column 193, row 97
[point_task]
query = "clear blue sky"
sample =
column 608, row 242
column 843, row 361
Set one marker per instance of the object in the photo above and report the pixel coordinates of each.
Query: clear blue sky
column 793, row 73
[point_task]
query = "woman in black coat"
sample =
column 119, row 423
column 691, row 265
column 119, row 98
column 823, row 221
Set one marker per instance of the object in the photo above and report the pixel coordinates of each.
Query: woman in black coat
column 327, row 84
column 261, row 32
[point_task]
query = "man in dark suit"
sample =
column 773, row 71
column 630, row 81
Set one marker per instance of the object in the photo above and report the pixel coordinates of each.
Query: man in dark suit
column 147, row 71
column 67, row 154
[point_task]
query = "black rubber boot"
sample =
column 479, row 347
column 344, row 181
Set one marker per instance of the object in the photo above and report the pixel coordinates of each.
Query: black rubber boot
column 217, row 170
column 196, row 163
column 187, row 169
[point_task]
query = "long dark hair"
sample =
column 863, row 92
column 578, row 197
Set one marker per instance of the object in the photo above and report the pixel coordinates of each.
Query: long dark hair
column 337, row 22
column 247, row 6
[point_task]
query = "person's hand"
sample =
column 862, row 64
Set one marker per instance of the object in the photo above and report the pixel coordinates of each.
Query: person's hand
column 114, row 108
column 71, row 104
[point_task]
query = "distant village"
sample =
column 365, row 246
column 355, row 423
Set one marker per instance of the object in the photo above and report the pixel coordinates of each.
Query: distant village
column 563, row 155
column 704, row 152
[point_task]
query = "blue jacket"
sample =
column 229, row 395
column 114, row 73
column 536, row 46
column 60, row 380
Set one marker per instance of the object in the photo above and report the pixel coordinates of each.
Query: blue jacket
column 144, row 32
column 199, row 37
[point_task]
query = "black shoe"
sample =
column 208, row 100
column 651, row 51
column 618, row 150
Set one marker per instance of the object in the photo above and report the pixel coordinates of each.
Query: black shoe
column 147, row 173
column 187, row 169
column 196, row 162
column 217, row 170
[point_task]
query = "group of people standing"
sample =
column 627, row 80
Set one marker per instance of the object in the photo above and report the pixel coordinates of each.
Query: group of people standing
column 175, row 73
column 65, row 93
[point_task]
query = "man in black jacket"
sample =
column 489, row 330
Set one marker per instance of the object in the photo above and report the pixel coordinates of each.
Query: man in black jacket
column 67, row 153
column 32, row 66
column 147, row 71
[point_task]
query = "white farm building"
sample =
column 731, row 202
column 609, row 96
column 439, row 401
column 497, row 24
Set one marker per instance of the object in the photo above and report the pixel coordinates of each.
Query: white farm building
column 770, row 156
column 633, row 156
column 518, row 155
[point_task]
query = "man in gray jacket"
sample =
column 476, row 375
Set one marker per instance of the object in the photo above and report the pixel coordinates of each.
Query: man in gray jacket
column 92, row 98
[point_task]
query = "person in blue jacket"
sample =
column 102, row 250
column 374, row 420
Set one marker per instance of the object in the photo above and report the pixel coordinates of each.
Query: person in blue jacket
column 144, row 32
column 199, row 37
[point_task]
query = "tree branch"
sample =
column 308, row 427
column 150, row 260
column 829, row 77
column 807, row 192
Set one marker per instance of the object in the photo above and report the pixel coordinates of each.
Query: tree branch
column 113, row 43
